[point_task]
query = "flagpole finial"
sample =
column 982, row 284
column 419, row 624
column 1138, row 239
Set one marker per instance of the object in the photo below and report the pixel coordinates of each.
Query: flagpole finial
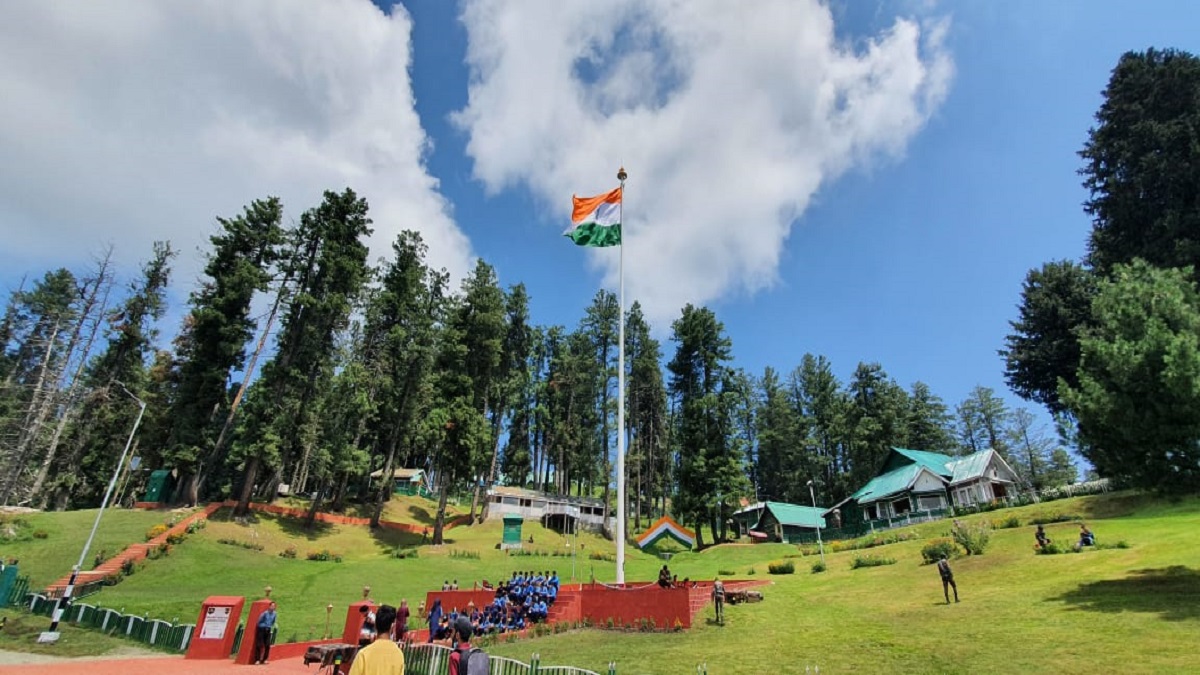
column 621, row 175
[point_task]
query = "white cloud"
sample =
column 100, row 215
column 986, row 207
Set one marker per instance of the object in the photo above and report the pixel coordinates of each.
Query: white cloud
column 729, row 117
column 131, row 121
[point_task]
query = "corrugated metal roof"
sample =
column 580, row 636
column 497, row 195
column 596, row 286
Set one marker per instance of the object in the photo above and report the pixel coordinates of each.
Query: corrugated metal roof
column 934, row 461
column 971, row 466
column 798, row 516
column 888, row 484
column 405, row 474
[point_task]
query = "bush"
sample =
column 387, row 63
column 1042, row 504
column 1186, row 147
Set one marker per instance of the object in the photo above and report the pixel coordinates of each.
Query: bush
column 1056, row 518
column 156, row 531
column 751, row 572
column 323, row 554
column 1119, row 544
column 127, row 568
column 870, row 561
column 176, row 537
column 1006, row 523
column 726, row 573
column 935, row 549
column 973, row 538
column 872, row 540
column 160, row 551
column 196, row 525
column 1051, row 549
column 289, row 552
column 465, row 555
column 41, row 534
column 606, row 557
column 402, row 553
column 782, row 567
column 242, row 544
column 818, row 567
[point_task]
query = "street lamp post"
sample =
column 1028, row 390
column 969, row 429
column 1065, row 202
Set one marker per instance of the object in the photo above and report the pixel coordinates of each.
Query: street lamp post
column 820, row 546
column 52, row 634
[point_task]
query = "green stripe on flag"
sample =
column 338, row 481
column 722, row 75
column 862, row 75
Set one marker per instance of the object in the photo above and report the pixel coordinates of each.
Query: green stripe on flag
column 594, row 234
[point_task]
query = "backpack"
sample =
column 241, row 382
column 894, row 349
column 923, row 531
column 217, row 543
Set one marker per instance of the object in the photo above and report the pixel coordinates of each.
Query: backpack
column 473, row 662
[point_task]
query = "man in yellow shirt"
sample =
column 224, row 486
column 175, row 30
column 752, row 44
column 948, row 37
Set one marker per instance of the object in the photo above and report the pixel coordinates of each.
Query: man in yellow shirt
column 381, row 657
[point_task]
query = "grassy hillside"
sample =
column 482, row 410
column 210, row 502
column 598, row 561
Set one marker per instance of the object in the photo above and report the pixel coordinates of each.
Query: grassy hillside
column 1136, row 609
column 46, row 560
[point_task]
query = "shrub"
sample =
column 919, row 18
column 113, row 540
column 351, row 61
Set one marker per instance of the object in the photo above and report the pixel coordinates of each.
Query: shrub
column 250, row 546
column 934, row 550
column 973, row 538
column 782, row 567
column 870, row 561
column 597, row 555
column 1119, row 544
column 1051, row 549
column 41, row 534
column 1006, row 523
column 176, row 537
column 751, row 572
column 128, row 567
column 156, row 531
column 872, row 540
column 818, row 567
column 323, row 554
column 196, row 525
column 289, row 552
column 402, row 553
column 726, row 573
column 160, row 551
column 1056, row 518
column 465, row 555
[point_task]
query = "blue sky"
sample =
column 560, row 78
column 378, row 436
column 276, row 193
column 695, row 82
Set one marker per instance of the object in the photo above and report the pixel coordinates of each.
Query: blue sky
column 905, row 245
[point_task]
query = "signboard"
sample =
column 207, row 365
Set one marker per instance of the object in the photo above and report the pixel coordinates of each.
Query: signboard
column 214, row 623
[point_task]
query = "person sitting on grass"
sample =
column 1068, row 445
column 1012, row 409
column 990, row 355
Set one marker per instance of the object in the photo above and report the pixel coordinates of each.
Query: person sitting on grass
column 1042, row 539
column 1086, row 538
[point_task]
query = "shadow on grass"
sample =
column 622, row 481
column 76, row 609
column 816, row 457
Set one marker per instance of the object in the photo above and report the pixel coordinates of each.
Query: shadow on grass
column 421, row 515
column 1171, row 592
column 387, row 540
column 299, row 527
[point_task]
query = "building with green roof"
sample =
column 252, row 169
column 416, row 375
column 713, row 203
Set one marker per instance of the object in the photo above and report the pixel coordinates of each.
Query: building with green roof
column 789, row 523
column 912, row 481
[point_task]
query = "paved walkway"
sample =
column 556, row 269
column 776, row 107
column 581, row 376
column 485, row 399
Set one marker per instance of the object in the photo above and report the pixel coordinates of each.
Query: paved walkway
column 164, row 665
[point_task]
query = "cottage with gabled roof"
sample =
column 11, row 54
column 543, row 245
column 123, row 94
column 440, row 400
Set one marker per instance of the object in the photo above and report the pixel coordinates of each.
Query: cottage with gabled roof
column 789, row 523
column 915, row 480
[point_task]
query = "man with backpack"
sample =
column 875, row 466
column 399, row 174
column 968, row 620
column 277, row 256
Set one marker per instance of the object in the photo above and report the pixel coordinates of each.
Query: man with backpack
column 380, row 657
column 947, row 579
column 465, row 659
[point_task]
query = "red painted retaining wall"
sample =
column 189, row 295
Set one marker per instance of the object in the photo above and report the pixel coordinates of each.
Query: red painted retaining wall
column 664, row 606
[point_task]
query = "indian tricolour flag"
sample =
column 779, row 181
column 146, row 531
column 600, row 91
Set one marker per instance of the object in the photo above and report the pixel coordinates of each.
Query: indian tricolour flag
column 596, row 221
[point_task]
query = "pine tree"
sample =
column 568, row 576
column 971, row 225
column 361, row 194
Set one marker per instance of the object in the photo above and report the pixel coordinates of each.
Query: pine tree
column 215, row 334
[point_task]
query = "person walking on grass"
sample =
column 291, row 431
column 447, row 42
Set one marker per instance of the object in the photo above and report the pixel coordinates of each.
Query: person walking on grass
column 380, row 657
column 262, row 635
column 947, row 579
column 718, row 598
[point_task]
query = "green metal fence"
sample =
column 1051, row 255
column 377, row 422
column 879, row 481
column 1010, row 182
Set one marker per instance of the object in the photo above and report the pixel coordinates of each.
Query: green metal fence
column 16, row 594
column 153, row 632
column 431, row 659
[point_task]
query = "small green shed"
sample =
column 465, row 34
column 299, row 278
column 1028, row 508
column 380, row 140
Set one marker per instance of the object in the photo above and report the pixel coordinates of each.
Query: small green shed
column 512, row 531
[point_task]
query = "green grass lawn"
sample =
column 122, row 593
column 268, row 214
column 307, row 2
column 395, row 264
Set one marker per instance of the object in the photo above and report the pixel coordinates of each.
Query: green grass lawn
column 1134, row 609
column 400, row 509
column 47, row 560
column 21, row 631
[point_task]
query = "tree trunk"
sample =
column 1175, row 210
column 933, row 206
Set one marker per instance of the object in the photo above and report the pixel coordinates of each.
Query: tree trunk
column 39, row 408
column 251, row 473
column 339, row 496
column 497, row 421
column 439, row 523
column 89, row 304
column 202, row 471
column 384, row 494
column 311, row 518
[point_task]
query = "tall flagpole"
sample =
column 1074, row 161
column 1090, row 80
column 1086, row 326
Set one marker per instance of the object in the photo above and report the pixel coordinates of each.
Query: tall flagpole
column 620, row 538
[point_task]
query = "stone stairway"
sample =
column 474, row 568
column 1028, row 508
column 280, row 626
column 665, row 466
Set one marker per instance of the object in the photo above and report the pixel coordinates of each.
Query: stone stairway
column 134, row 552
